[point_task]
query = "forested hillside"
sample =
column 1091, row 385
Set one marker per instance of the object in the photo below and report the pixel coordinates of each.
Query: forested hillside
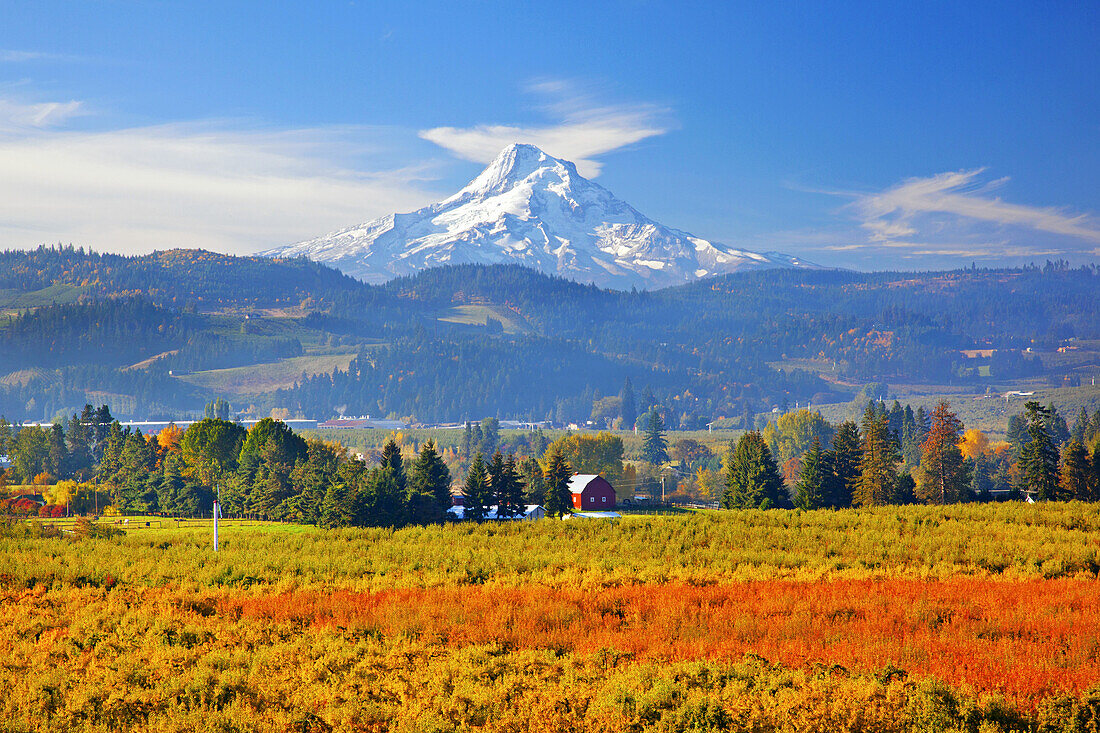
column 468, row 341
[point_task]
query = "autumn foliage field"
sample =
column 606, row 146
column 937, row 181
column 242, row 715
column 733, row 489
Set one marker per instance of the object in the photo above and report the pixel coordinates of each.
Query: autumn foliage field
column 967, row 617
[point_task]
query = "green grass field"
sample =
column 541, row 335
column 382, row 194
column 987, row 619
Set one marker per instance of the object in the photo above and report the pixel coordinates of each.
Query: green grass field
column 475, row 315
column 15, row 300
column 258, row 378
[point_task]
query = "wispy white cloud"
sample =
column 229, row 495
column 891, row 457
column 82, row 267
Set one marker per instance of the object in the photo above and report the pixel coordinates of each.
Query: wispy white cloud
column 922, row 207
column 212, row 185
column 13, row 56
column 16, row 115
column 584, row 128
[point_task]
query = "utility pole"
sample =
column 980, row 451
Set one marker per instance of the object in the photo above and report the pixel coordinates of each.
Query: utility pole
column 217, row 498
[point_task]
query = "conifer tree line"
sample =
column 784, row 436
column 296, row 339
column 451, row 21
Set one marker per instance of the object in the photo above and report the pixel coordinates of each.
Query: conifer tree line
column 899, row 456
column 267, row 471
column 270, row 472
column 896, row 455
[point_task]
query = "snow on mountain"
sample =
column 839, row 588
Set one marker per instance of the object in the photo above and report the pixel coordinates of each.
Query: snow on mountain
column 532, row 209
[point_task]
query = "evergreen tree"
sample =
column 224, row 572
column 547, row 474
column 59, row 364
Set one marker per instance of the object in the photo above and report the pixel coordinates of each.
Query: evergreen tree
column 533, row 481
column 910, row 448
column 1080, row 427
column 1016, row 435
column 1056, row 425
column 495, row 469
column 876, row 484
column 78, row 448
column 138, row 495
column 170, row 489
column 135, row 458
column 1039, row 457
column 843, row 461
column 559, row 500
column 477, row 492
column 467, row 440
column 810, row 489
column 654, row 444
column 391, row 458
column 752, row 476
column 112, row 450
column 628, row 409
column 922, row 423
column 941, row 477
column 310, row 480
column 648, row 400
column 510, row 494
column 101, row 423
column 476, row 437
column 270, row 488
column 338, row 507
column 58, row 460
column 380, row 502
column 896, row 421
column 431, row 477
column 1078, row 479
column 981, row 482
column 905, row 489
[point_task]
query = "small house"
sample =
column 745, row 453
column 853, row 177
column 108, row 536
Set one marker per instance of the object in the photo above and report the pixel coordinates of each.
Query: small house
column 591, row 493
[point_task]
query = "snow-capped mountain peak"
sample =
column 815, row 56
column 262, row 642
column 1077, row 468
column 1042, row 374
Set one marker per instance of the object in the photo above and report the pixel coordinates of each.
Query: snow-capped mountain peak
column 530, row 208
column 514, row 165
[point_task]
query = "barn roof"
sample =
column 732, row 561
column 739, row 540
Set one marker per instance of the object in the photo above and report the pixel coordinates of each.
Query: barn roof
column 578, row 483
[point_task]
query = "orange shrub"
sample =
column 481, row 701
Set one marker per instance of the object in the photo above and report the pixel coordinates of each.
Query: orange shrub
column 1024, row 639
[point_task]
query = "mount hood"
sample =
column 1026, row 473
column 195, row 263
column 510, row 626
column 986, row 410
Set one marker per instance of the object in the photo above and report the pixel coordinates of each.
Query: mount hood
column 532, row 209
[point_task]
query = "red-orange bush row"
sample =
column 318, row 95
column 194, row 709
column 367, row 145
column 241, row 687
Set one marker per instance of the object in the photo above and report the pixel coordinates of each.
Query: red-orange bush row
column 1023, row 639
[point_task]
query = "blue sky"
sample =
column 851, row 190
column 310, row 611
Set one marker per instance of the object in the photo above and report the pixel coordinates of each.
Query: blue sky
column 869, row 135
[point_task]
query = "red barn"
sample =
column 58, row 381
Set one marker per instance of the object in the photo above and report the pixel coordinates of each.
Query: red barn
column 591, row 493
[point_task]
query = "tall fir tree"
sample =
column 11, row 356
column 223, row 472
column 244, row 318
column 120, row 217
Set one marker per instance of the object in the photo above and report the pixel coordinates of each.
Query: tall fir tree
column 431, row 476
column 1056, row 425
column 628, row 408
column 810, row 489
column 380, row 501
column 391, row 458
column 338, row 507
column 981, row 482
column 533, row 481
column 654, row 443
column 876, row 483
column 1081, row 427
column 559, row 500
column 1016, row 435
column 1077, row 481
column 477, row 491
column 497, row 479
column 920, row 419
column 896, row 421
column 941, row 477
column 843, row 460
column 467, row 440
column 752, row 476
column 510, row 495
column 1039, row 457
